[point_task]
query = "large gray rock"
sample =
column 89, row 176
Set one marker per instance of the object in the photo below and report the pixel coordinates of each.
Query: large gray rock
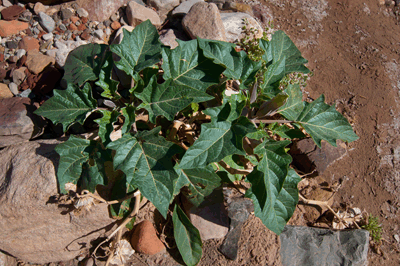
column 203, row 20
column 233, row 23
column 100, row 10
column 32, row 226
column 17, row 121
column 307, row 246
column 184, row 8
column 163, row 7
column 136, row 14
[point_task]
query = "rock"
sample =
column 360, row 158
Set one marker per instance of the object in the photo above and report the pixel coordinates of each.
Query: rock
column 163, row 6
column 5, row 93
column 19, row 75
column 100, row 10
column 13, row 88
column 66, row 13
column 263, row 13
column 26, row 94
column 233, row 23
column 82, row 13
column 64, row 47
column 12, row 12
column 21, row 53
column 36, row 61
column 12, row 44
column 307, row 157
column 168, row 38
column 145, row 240
column 309, row 246
column 184, row 7
column 7, row 3
column 74, row 19
column 28, row 44
column 8, row 28
column 48, row 36
column 46, row 22
column 203, row 20
column 6, row 260
column 46, row 233
column 85, row 35
column 136, row 14
column 115, row 25
column 239, row 7
column 39, row 7
column 239, row 210
column 210, row 218
column 43, row 83
column 16, row 125
column 98, row 34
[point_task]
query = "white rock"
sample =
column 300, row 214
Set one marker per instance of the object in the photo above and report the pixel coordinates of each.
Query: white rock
column 48, row 36
column 20, row 53
column 13, row 88
column 98, row 33
column 7, row 3
column 46, row 22
column 82, row 12
column 233, row 23
column 108, row 31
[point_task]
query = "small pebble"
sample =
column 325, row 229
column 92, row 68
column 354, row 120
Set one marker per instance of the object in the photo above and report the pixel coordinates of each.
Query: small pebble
column 20, row 53
column 48, row 36
column 108, row 31
column 46, row 22
column 36, row 31
column 114, row 17
column 82, row 12
column 13, row 88
column 115, row 25
column 12, row 44
column 7, row 3
column 62, row 27
column 25, row 94
column 98, row 33
column 77, row 23
column 397, row 238
column 66, row 13
column 107, row 23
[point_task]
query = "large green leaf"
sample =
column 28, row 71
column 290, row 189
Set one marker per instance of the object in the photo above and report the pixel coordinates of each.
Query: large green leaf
column 105, row 81
column 84, row 63
column 323, row 122
column 94, row 171
column 282, row 46
column 146, row 160
column 166, row 99
column 187, row 237
column 106, row 123
column 69, row 106
column 294, row 104
column 216, row 141
column 200, row 183
column 275, row 72
column 267, row 180
column 73, row 154
column 138, row 49
column 187, row 66
column 238, row 65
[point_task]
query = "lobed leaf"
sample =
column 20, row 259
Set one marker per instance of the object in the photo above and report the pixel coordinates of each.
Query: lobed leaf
column 105, row 81
column 200, row 183
column 294, row 104
column 69, row 106
column 166, row 99
column 106, row 123
column 84, row 63
column 138, row 49
column 187, row 237
column 267, row 181
column 146, row 160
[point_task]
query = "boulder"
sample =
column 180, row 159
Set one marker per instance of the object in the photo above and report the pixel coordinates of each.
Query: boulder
column 136, row 14
column 233, row 23
column 203, row 20
column 309, row 246
column 33, row 227
column 101, row 10
column 17, row 121
column 163, row 7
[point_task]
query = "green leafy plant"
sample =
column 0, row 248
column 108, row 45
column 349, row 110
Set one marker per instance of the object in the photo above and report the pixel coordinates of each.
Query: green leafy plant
column 374, row 228
column 183, row 130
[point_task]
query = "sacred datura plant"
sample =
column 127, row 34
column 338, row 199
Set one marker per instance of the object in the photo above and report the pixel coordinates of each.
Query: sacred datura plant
column 188, row 120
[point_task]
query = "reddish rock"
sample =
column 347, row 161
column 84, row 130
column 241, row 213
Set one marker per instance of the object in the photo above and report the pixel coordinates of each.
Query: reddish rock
column 36, row 61
column 81, row 27
column 12, row 12
column 100, row 10
column 136, row 14
column 115, row 25
column 85, row 35
column 39, row 7
column 84, row 20
column 74, row 19
column 8, row 28
column 1, row 57
column 5, row 91
column 72, row 27
column 28, row 43
column 145, row 240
